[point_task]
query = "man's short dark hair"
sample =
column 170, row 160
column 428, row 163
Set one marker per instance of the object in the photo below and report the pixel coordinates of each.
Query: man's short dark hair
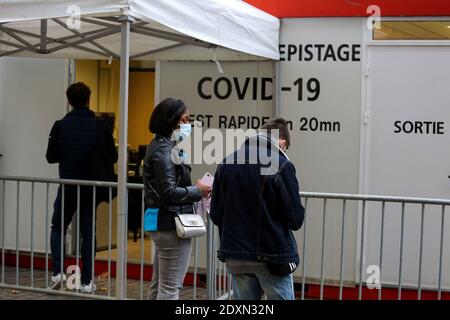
column 166, row 116
column 281, row 125
column 78, row 95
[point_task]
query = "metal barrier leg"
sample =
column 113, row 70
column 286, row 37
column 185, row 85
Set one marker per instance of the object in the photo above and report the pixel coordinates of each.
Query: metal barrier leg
column 109, row 239
column 304, row 250
column 63, row 209
column 383, row 207
column 47, row 226
column 214, row 266
column 322, row 262
column 32, row 235
column 220, row 278
column 3, row 230
column 225, row 288
column 17, row 232
column 361, row 258
column 401, row 254
column 195, row 267
column 230, row 289
column 141, row 286
column 440, row 253
column 94, row 242
column 341, row 279
column 419, row 294
column 78, row 275
column 210, row 249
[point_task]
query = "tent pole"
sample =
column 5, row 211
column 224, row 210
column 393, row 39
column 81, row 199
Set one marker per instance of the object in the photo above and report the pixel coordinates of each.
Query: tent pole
column 122, row 203
column 275, row 86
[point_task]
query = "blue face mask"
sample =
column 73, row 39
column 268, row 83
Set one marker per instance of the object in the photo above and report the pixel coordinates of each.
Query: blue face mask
column 183, row 133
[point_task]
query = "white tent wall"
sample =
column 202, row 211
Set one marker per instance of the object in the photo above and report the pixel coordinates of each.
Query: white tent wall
column 31, row 99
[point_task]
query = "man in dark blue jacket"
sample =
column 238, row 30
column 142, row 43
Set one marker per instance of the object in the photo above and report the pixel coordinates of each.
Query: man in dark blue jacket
column 72, row 142
column 256, row 210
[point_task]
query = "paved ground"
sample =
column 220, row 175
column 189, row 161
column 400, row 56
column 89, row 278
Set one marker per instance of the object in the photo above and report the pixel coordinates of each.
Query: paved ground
column 14, row 294
column 135, row 289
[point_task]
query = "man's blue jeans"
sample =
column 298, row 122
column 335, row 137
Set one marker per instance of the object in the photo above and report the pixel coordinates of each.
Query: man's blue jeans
column 250, row 286
column 86, row 225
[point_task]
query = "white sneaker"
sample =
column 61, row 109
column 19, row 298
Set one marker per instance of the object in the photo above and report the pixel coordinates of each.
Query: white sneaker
column 55, row 281
column 88, row 288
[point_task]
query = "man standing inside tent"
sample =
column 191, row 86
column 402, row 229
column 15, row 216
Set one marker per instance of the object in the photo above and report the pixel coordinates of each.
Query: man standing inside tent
column 73, row 141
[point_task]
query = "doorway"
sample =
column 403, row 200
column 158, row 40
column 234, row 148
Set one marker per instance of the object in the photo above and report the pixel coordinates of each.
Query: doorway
column 104, row 80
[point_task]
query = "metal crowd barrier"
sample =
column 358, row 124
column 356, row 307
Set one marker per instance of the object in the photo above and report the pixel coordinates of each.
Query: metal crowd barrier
column 19, row 208
column 218, row 279
column 29, row 214
column 363, row 202
column 221, row 281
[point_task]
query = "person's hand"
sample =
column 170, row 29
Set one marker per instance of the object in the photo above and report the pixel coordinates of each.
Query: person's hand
column 204, row 189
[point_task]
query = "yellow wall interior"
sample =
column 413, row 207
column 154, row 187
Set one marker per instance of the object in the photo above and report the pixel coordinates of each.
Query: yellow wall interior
column 104, row 80
column 87, row 72
column 141, row 101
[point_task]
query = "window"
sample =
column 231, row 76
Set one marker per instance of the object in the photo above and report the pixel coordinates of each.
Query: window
column 413, row 30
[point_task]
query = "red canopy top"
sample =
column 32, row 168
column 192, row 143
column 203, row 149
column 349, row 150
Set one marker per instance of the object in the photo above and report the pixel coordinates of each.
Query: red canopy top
column 352, row 8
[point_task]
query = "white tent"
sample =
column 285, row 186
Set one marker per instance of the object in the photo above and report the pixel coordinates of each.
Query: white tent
column 90, row 29
column 144, row 29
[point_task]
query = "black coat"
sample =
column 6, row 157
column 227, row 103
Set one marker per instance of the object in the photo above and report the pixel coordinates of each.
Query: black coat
column 72, row 141
column 256, row 213
column 167, row 184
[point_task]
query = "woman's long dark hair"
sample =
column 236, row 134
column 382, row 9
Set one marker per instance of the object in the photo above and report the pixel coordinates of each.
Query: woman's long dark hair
column 166, row 116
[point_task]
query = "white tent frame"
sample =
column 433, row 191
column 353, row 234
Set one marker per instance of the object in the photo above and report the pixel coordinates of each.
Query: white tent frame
column 112, row 25
column 124, row 24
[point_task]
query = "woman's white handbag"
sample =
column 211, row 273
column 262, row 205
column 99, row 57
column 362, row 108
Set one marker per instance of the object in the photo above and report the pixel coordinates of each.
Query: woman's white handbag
column 189, row 225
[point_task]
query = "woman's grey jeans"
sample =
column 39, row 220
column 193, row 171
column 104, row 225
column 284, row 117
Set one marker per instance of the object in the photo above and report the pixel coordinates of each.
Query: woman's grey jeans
column 170, row 265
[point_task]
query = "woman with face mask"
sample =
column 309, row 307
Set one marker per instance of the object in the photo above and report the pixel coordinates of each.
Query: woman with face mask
column 168, row 187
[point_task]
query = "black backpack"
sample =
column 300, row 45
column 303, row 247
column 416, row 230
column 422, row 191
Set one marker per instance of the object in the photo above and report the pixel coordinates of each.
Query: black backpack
column 102, row 163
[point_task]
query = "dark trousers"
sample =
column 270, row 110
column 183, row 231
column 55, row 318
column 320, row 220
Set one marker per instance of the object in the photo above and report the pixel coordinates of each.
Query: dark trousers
column 86, row 225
